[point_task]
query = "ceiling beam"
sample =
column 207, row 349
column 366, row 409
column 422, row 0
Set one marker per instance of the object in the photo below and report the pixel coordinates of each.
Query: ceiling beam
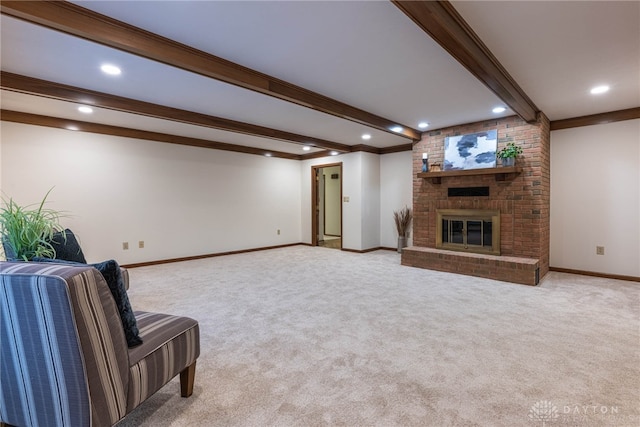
column 596, row 119
column 82, row 126
column 55, row 122
column 30, row 85
column 444, row 24
column 78, row 21
column 363, row 148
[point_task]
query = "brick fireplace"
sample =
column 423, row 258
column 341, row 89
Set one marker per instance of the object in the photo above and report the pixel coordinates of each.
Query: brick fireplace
column 521, row 197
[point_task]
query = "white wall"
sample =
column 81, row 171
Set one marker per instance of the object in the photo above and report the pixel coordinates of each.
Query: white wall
column 1, row 124
column 376, row 186
column 181, row 201
column 185, row 201
column 396, row 192
column 370, row 197
column 595, row 198
column 2, row 257
column 351, row 188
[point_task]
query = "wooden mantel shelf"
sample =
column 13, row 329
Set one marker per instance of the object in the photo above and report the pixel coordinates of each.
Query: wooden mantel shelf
column 501, row 173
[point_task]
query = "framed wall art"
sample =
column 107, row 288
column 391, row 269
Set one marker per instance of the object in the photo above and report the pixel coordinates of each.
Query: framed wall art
column 472, row 151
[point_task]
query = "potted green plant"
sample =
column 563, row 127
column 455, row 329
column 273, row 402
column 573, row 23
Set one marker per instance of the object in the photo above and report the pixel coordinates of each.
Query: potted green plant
column 402, row 219
column 27, row 230
column 509, row 153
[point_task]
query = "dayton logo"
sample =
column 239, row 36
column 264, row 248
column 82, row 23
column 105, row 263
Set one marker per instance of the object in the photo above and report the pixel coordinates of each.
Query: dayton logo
column 543, row 411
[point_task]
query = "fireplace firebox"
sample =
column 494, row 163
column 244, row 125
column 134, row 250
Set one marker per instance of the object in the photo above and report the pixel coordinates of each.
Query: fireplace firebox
column 468, row 230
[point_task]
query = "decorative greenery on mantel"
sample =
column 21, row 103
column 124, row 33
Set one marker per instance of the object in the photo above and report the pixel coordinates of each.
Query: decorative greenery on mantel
column 510, row 151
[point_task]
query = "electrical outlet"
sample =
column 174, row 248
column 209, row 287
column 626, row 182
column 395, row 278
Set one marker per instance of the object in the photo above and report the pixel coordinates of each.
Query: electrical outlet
column 278, row 231
column 125, row 246
column 599, row 250
column 141, row 244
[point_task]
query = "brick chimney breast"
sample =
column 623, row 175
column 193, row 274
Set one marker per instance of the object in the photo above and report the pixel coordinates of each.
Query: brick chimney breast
column 522, row 200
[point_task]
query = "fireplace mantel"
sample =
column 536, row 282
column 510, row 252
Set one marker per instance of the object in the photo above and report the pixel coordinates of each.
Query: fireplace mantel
column 501, row 173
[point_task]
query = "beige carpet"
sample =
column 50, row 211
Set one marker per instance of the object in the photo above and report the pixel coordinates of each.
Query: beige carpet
column 305, row 336
column 332, row 243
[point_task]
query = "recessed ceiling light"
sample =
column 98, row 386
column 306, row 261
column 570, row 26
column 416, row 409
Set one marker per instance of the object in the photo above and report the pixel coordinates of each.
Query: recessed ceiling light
column 72, row 127
column 306, row 148
column 334, row 153
column 86, row 110
column 423, row 125
column 499, row 110
column 397, row 129
column 366, row 136
column 112, row 70
column 599, row 89
column 268, row 154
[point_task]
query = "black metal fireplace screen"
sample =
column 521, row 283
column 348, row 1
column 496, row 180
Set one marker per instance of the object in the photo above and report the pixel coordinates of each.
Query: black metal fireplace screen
column 468, row 230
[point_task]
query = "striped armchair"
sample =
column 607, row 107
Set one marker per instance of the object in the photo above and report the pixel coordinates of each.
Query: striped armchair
column 64, row 360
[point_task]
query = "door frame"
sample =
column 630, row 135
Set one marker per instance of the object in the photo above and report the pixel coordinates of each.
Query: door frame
column 314, row 201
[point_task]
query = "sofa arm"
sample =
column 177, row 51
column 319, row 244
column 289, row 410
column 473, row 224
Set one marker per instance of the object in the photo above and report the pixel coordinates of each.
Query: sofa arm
column 171, row 345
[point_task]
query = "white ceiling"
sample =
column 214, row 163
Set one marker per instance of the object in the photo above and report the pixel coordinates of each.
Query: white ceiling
column 558, row 50
column 367, row 54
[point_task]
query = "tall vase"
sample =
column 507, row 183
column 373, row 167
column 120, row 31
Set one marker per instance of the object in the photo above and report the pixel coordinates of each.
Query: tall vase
column 402, row 243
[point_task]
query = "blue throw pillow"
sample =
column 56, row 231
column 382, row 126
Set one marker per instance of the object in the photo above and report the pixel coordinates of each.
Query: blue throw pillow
column 110, row 270
column 67, row 247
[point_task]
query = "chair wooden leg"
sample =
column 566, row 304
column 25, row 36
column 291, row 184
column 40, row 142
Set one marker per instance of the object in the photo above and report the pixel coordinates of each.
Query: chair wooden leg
column 187, row 377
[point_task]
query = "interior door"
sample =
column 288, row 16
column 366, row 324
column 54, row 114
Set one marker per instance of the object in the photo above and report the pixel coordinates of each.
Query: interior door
column 319, row 204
